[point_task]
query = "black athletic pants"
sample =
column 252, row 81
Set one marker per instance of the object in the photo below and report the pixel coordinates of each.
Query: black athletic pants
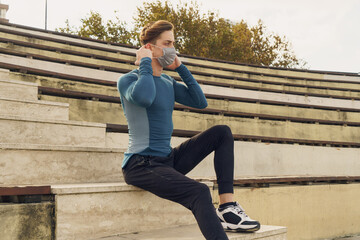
column 165, row 176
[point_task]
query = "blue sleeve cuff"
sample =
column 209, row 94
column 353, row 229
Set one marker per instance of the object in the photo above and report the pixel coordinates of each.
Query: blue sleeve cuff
column 180, row 69
column 185, row 75
column 145, row 66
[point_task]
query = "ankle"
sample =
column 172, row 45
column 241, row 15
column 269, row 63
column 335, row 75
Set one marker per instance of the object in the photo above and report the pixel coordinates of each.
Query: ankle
column 224, row 205
column 226, row 198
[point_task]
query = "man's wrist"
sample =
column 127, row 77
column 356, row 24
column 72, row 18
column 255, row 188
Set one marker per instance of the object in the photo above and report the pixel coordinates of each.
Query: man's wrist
column 145, row 58
column 179, row 67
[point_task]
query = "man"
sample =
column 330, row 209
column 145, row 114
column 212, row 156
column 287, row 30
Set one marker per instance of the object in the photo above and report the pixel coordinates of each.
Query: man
column 150, row 163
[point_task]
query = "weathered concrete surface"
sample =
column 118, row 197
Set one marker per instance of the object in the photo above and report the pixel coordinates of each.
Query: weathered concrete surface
column 46, row 164
column 310, row 212
column 100, row 62
column 307, row 100
column 18, row 90
column 34, row 109
column 112, row 111
column 86, row 211
column 4, row 73
column 268, row 81
column 287, row 111
column 254, row 69
column 113, row 77
column 267, row 128
column 31, row 221
column 357, row 237
column 94, row 111
column 271, row 159
column 54, row 132
column 212, row 103
column 192, row 232
column 60, row 68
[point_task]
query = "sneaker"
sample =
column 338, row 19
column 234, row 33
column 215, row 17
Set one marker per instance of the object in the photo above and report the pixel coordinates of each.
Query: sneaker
column 233, row 217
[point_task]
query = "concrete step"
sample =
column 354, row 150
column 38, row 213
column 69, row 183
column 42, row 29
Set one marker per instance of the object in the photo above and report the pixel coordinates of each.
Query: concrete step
column 85, row 211
column 18, row 90
column 34, row 109
column 212, row 103
column 192, row 232
column 83, row 110
column 78, row 45
column 69, row 70
column 272, row 159
column 114, row 140
column 83, row 72
column 46, row 164
column 196, row 69
column 281, row 97
column 4, row 73
column 357, row 237
column 52, row 132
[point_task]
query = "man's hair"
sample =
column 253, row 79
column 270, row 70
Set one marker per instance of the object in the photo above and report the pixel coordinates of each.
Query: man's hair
column 151, row 31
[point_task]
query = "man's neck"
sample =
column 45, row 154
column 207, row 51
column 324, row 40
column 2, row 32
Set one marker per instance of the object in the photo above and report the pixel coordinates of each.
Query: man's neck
column 157, row 69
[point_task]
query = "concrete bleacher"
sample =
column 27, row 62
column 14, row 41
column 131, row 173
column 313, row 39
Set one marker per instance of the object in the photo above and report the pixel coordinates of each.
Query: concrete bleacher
column 65, row 129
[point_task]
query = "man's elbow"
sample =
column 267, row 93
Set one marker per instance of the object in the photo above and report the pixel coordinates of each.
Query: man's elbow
column 145, row 102
column 143, row 98
column 203, row 104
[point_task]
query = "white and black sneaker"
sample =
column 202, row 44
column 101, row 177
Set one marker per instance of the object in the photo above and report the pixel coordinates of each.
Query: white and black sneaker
column 233, row 217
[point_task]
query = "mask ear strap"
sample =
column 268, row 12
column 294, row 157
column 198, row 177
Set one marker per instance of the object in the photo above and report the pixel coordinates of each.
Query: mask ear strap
column 155, row 45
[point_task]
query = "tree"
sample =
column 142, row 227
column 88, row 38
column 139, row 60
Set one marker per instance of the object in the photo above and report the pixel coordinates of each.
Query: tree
column 94, row 27
column 197, row 34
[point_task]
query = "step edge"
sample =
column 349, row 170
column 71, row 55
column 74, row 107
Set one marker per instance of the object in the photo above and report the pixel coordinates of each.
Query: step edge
column 68, row 148
column 85, row 188
column 65, row 122
column 19, row 82
column 271, row 230
column 4, row 70
column 40, row 102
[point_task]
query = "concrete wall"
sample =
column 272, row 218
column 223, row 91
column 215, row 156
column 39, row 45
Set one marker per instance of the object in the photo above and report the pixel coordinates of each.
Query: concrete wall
column 212, row 103
column 32, row 221
column 226, row 91
column 99, row 62
column 94, row 111
column 269, row 159
column 309, row 212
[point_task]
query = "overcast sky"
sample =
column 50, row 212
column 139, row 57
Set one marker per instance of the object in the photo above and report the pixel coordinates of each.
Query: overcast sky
column 325, row 33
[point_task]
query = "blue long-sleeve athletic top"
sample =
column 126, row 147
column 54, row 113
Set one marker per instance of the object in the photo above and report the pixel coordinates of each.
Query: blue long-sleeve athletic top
column 148, row 103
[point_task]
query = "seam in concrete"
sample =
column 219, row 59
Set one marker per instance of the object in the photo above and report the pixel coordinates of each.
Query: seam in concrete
column 65, row 122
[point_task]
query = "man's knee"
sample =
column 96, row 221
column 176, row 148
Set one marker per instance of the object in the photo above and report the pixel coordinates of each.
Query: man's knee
column 202, row 193
column 223, row 130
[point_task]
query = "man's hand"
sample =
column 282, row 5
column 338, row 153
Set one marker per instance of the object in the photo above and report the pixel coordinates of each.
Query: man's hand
column 141, row 53
column 175, row 64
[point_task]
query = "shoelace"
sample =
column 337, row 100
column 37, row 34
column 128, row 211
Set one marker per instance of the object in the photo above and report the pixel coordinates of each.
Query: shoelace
column 240, row 210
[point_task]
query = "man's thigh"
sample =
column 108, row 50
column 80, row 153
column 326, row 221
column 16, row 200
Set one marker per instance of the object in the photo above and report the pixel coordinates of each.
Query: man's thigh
column 162, row 180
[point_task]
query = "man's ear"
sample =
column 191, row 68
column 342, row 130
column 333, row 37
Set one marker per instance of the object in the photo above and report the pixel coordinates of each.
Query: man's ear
column 148, row 46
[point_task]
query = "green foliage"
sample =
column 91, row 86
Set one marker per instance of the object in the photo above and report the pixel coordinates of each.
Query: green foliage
column 94, row 27
column 197, row 34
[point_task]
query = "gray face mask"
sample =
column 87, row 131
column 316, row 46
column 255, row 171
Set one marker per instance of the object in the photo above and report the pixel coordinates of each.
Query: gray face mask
column 168, row 56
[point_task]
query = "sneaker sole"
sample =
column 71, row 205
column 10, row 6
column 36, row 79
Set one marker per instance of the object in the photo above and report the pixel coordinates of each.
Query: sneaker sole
column 254, row 229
